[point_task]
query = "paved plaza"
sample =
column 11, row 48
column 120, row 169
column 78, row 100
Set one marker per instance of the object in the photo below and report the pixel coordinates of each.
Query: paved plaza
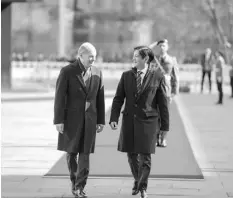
column 29, row 151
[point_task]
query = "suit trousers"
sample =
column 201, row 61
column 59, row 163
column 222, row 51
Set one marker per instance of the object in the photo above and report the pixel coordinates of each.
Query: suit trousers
column 203, row 78
column 79, row 171
column 140, row 165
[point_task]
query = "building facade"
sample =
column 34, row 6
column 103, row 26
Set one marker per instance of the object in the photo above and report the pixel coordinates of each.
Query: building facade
column 112, row 26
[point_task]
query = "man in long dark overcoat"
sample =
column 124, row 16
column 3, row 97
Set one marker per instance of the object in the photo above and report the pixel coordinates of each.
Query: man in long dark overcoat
column 79, row 112
column 144, row 92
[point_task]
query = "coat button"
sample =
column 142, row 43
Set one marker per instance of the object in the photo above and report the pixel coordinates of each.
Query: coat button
column 135, row 105
column 135, row 116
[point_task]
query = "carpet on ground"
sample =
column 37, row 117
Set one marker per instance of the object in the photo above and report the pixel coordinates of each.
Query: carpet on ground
column 174, row 161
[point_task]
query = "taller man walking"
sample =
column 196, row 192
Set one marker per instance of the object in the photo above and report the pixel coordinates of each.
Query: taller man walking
column 79, row 112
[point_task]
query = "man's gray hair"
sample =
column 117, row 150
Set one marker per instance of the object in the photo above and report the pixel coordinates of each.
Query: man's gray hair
column 86, row 47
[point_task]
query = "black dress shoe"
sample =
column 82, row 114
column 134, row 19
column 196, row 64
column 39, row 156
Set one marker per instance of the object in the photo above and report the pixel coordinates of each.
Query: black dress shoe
column 144, row 194
column 135, row 190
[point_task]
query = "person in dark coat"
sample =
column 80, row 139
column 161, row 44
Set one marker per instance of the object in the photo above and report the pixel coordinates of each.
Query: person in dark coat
column 79, row 112
column 220, row 63
column 207, row 67
column 143, row 90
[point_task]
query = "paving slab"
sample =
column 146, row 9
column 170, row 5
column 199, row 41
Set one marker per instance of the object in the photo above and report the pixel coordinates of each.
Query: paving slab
column 212, row 149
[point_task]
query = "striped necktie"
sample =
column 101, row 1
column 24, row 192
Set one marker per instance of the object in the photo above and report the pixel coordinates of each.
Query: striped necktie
column 139, row 81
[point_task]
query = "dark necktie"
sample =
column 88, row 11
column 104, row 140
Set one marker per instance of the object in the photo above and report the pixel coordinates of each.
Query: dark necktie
column 139, row 80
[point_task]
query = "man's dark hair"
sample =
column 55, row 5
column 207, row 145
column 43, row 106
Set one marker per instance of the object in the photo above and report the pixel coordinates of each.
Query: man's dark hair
column 145, row 51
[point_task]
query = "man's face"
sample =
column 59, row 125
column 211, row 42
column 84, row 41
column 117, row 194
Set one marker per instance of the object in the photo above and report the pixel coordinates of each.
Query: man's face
column 138, row 61
column 163, row 47
column 88, row 58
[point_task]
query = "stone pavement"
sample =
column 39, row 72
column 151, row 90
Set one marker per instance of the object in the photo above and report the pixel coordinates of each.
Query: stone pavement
column 209, row 130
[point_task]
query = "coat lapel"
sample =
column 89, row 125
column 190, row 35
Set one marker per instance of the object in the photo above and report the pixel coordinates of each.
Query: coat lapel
column 79, row 76
column 80, row 79
column 134, row 79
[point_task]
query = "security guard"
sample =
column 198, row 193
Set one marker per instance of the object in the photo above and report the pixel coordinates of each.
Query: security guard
column 170, row 68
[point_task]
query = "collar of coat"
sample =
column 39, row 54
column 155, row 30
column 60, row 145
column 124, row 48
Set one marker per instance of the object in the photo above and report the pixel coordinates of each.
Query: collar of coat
column 79, row 74
column 79, row 66
column 82, row 67
column 145, row 70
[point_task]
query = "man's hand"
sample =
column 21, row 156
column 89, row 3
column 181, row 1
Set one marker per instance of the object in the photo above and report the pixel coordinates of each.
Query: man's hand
column 162, row 142
column 114, row 125
column 60, row 128
column 99, row 128
column 163, row 134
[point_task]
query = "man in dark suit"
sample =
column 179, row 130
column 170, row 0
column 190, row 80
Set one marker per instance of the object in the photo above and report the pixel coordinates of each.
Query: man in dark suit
column 207, row 67
column 143, row 90
column 220, row 64
column 79, row 112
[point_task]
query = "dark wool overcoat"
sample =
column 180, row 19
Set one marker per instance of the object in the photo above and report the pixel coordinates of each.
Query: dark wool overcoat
column 80, row 107
column 144, row 114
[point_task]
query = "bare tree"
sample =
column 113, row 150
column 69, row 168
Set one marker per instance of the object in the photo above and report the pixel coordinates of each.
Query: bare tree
column 222, row 36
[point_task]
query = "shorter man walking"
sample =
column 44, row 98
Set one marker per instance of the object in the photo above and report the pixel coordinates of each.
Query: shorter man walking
column 145, row 113
column 207, row 68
